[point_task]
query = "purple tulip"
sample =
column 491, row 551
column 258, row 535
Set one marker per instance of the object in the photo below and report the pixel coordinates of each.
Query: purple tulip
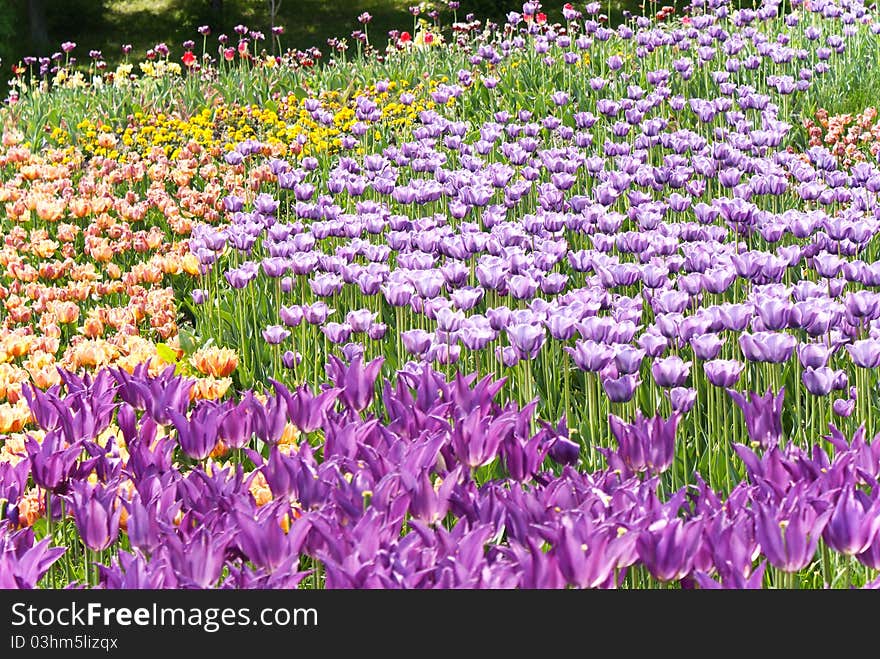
column 275, row 334
column 527, row 339
column 157, row 395
column 653, row 344
column 723, row 372
column 763, row 415
column 235, row 427
column 275, row 266
column 294, row 476
column 477, row 438
column 682, row 399
column 707, row 346
column 22, row 567
column 522, row 455
column 843, row 407
column 416, row 341
column 865, row 353
column 589, row 355
column 291, row 359
column 43, row 406
column 360, row 320
column 269, row 418
column 646, row 444
column 854, row 521
column 813, row 355
column 561, row 449
column 291, row 316
column 131, row 571
column 305, row 410
column 13, row 480
column 774, row 313
column 628, row 359
column 622, row 389
column 356, row 381
column 522, row 287
column 377, row 331
column 818, row 381
column 734, row 580
column 265, row 543
column 668, row 547
column 197, row 560
column 789, row 532
column 671, row 371
column 145, row 520
column 773, row 347
column 429, row 501
column 52, row 461
column 337, row 333
column 587, row 556
column 197, row 434
column 96, row 511
column 316, row 313
column 539, row 569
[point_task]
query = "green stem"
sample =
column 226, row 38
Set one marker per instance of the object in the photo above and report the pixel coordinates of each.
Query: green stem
column 50, row 533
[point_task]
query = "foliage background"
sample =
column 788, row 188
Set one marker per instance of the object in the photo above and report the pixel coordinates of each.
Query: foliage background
column 107, row 24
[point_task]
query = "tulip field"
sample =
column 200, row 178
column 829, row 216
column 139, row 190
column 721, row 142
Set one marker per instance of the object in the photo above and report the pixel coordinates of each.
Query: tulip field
column 529, row 305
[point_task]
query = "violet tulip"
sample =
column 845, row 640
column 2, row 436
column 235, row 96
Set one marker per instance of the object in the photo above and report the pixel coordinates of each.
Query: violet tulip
column 763, row 415
column 789, row 532
column 96, row 511
column 854, row 521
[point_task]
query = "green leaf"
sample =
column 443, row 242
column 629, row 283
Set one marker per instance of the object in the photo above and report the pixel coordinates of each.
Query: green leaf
column 166, row 352
column 41, row 527
column 54, row 117
column 187, row 341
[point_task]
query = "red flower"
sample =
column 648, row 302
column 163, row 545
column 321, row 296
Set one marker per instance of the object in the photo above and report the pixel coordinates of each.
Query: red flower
column 188, row 58
column 541, row 18
column 429, row 38
column 405, row 37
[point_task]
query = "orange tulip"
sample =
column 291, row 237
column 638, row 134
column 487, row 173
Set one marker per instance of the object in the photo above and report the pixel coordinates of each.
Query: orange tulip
column 13, row 417
column 80, row 207
column 210, row 388
column 191, row 264
column 50, row 210
column 31, row 508
column 92, row 328
column 113, row 271
column 66, row 312
column 217, row 362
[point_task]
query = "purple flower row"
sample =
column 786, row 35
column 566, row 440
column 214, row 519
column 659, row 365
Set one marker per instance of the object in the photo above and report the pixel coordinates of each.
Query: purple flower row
column 448, row 487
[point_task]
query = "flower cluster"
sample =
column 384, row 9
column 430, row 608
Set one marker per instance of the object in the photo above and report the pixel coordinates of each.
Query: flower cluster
column 449, row 488
column 549, row 305
column 850, row 138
